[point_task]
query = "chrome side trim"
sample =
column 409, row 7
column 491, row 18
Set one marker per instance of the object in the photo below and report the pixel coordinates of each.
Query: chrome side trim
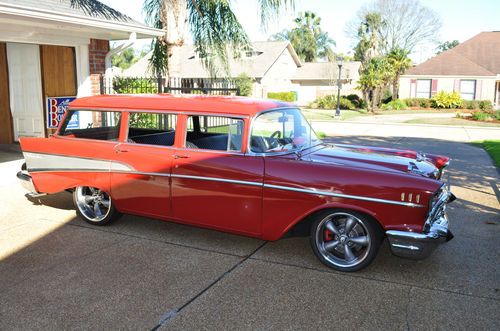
column 159, row 174
column 346, row 196
column 224, row 180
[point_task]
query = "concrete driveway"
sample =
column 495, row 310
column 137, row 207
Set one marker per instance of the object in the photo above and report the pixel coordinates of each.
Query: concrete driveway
column 57, row 272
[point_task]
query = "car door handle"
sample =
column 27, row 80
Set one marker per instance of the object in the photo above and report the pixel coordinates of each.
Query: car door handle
column 120, row 149
column 176, row 156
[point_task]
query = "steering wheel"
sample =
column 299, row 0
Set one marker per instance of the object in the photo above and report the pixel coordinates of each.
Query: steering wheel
column 276, row 135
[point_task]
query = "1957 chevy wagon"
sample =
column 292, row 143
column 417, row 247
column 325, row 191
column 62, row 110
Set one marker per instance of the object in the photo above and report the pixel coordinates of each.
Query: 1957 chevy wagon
column 250, row 167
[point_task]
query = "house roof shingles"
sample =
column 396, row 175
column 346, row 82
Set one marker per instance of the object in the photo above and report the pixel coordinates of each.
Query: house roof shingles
column 192, row 67
column 64, row 7
column 477, row 56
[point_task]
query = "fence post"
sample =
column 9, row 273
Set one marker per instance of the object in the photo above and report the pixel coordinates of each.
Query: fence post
column 159, row 80
column 101, row 84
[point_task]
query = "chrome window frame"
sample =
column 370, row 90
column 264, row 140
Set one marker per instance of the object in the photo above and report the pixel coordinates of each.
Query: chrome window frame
column 250, row 130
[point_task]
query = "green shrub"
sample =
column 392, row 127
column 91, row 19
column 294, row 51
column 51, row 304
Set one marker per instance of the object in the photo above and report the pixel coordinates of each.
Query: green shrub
column 485, row 105
column 330, row 102
column 470, row 104
column 356, row 100
column 481, row 116
column 245, row 84
column 417, row 102
column 321, row 135
column 395, row 105
column 132, row 85
column 497, row 115
column 283, row 96
column 447, row 100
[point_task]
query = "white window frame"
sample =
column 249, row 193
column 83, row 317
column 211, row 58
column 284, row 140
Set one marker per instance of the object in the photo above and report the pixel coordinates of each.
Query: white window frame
column 420, row 93
column 468, row 95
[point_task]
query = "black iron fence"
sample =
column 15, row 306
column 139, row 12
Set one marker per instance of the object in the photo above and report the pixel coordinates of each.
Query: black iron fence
column 140, row 85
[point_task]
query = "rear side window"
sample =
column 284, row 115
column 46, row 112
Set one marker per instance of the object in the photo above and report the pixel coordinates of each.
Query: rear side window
column 91, row 124
column 152, row 128
column 214, row 133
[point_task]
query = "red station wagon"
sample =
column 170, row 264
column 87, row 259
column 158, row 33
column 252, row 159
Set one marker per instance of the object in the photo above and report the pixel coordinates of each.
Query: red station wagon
column 246, row 166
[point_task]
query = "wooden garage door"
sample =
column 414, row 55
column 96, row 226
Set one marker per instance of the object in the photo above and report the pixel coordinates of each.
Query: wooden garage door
column 6, row 134
column 58, row 73
column 58, row 70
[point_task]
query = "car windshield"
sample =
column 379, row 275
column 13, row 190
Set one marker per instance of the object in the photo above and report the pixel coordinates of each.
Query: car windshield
column 281, row 130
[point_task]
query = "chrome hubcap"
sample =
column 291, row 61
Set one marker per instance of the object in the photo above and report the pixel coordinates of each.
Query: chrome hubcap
column 343, row 239
column 93, row 203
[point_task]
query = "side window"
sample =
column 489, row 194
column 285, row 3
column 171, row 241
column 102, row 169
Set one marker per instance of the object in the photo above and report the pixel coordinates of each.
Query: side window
column 91, row 124
column 152, row 128
column 214, row 133
column 424, row 88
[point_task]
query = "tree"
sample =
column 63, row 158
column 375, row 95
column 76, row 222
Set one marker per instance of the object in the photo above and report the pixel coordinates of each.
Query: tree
column 400, row 62
column 307, row 38
column 444, row 46
column 407, row 23
column 213, row 25
column 369, row 38
column 375, row 75
column 125, row 59
column 245, row 84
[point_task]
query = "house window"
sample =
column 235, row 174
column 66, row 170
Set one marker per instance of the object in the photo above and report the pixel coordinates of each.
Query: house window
column 468, row 89
column 424, row 88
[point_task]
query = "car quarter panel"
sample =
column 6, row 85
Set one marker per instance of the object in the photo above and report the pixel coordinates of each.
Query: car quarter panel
column 56, row 163
column 292, row 190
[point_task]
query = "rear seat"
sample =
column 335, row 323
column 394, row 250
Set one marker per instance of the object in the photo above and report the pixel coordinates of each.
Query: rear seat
column 218, row 143
column 161, row 138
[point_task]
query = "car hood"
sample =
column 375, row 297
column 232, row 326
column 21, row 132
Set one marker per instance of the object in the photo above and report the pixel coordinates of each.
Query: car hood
column 376, row 158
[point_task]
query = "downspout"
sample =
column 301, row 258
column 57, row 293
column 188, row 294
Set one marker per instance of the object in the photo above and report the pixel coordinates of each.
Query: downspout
column 107, row 60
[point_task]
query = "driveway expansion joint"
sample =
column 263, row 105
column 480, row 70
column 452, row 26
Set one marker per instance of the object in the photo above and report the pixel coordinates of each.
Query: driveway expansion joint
column 174, row 312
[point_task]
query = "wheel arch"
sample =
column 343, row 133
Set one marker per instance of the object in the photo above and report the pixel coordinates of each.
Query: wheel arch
column 301, row 226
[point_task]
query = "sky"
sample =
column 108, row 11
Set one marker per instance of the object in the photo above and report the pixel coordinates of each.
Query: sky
column 462, row 19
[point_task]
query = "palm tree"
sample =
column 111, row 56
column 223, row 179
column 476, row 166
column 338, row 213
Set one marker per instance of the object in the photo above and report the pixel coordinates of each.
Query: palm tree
column 213, row 24
column 369, row 44
column 400, row 62
column 307, row 38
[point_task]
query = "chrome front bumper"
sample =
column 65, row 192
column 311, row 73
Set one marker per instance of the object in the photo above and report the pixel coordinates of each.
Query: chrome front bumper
column 420, row 245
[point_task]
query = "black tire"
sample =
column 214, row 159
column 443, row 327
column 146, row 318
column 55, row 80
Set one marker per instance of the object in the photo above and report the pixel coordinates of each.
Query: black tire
column 85, row 199
column 363, row 239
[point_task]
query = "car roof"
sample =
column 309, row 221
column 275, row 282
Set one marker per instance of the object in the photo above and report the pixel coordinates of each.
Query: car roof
column 179, row 103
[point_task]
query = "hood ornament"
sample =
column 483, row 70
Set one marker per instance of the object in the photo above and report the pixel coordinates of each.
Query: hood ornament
column 421, row 157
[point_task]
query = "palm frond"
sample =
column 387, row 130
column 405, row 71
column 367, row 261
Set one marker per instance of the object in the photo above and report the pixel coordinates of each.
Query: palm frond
column 215, row 30
column 96, row 8
column 159, row 57
column 271, row 9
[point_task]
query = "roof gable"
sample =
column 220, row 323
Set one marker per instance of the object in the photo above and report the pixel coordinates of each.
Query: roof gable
column 477, row 56
column 265, row 55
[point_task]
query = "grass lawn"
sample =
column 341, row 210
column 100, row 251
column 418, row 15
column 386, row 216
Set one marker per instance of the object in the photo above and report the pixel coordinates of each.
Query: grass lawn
column 414, row 111
column 493, row 148
column 452, row 121
column 328, row 114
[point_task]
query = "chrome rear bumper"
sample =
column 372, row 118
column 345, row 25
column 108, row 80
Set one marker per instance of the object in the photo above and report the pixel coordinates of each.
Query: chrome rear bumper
column 420, row 245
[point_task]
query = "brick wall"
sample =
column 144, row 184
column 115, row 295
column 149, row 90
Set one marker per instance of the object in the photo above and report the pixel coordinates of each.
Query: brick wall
column 97, row 53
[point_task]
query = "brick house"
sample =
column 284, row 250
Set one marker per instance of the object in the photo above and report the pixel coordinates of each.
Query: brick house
column 471, row 69
column 50, row 49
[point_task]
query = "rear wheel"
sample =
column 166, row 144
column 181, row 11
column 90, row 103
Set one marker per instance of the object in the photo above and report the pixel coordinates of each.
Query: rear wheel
column 345, row 240
column 94, row 205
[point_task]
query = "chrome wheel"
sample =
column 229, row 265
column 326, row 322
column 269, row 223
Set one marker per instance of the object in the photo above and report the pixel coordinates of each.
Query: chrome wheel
column 93, row 204
column 343, row 240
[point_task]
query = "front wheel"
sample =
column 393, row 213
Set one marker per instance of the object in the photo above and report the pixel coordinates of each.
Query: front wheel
column 345, row 240
column 94, row 205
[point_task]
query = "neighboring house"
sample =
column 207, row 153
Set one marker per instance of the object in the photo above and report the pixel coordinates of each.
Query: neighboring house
column 471, row 69
column 273, row 65
column 49, row 49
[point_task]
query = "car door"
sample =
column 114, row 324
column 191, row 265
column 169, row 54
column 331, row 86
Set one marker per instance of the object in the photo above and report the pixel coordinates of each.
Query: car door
column 213, row 183
column 148, row 151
